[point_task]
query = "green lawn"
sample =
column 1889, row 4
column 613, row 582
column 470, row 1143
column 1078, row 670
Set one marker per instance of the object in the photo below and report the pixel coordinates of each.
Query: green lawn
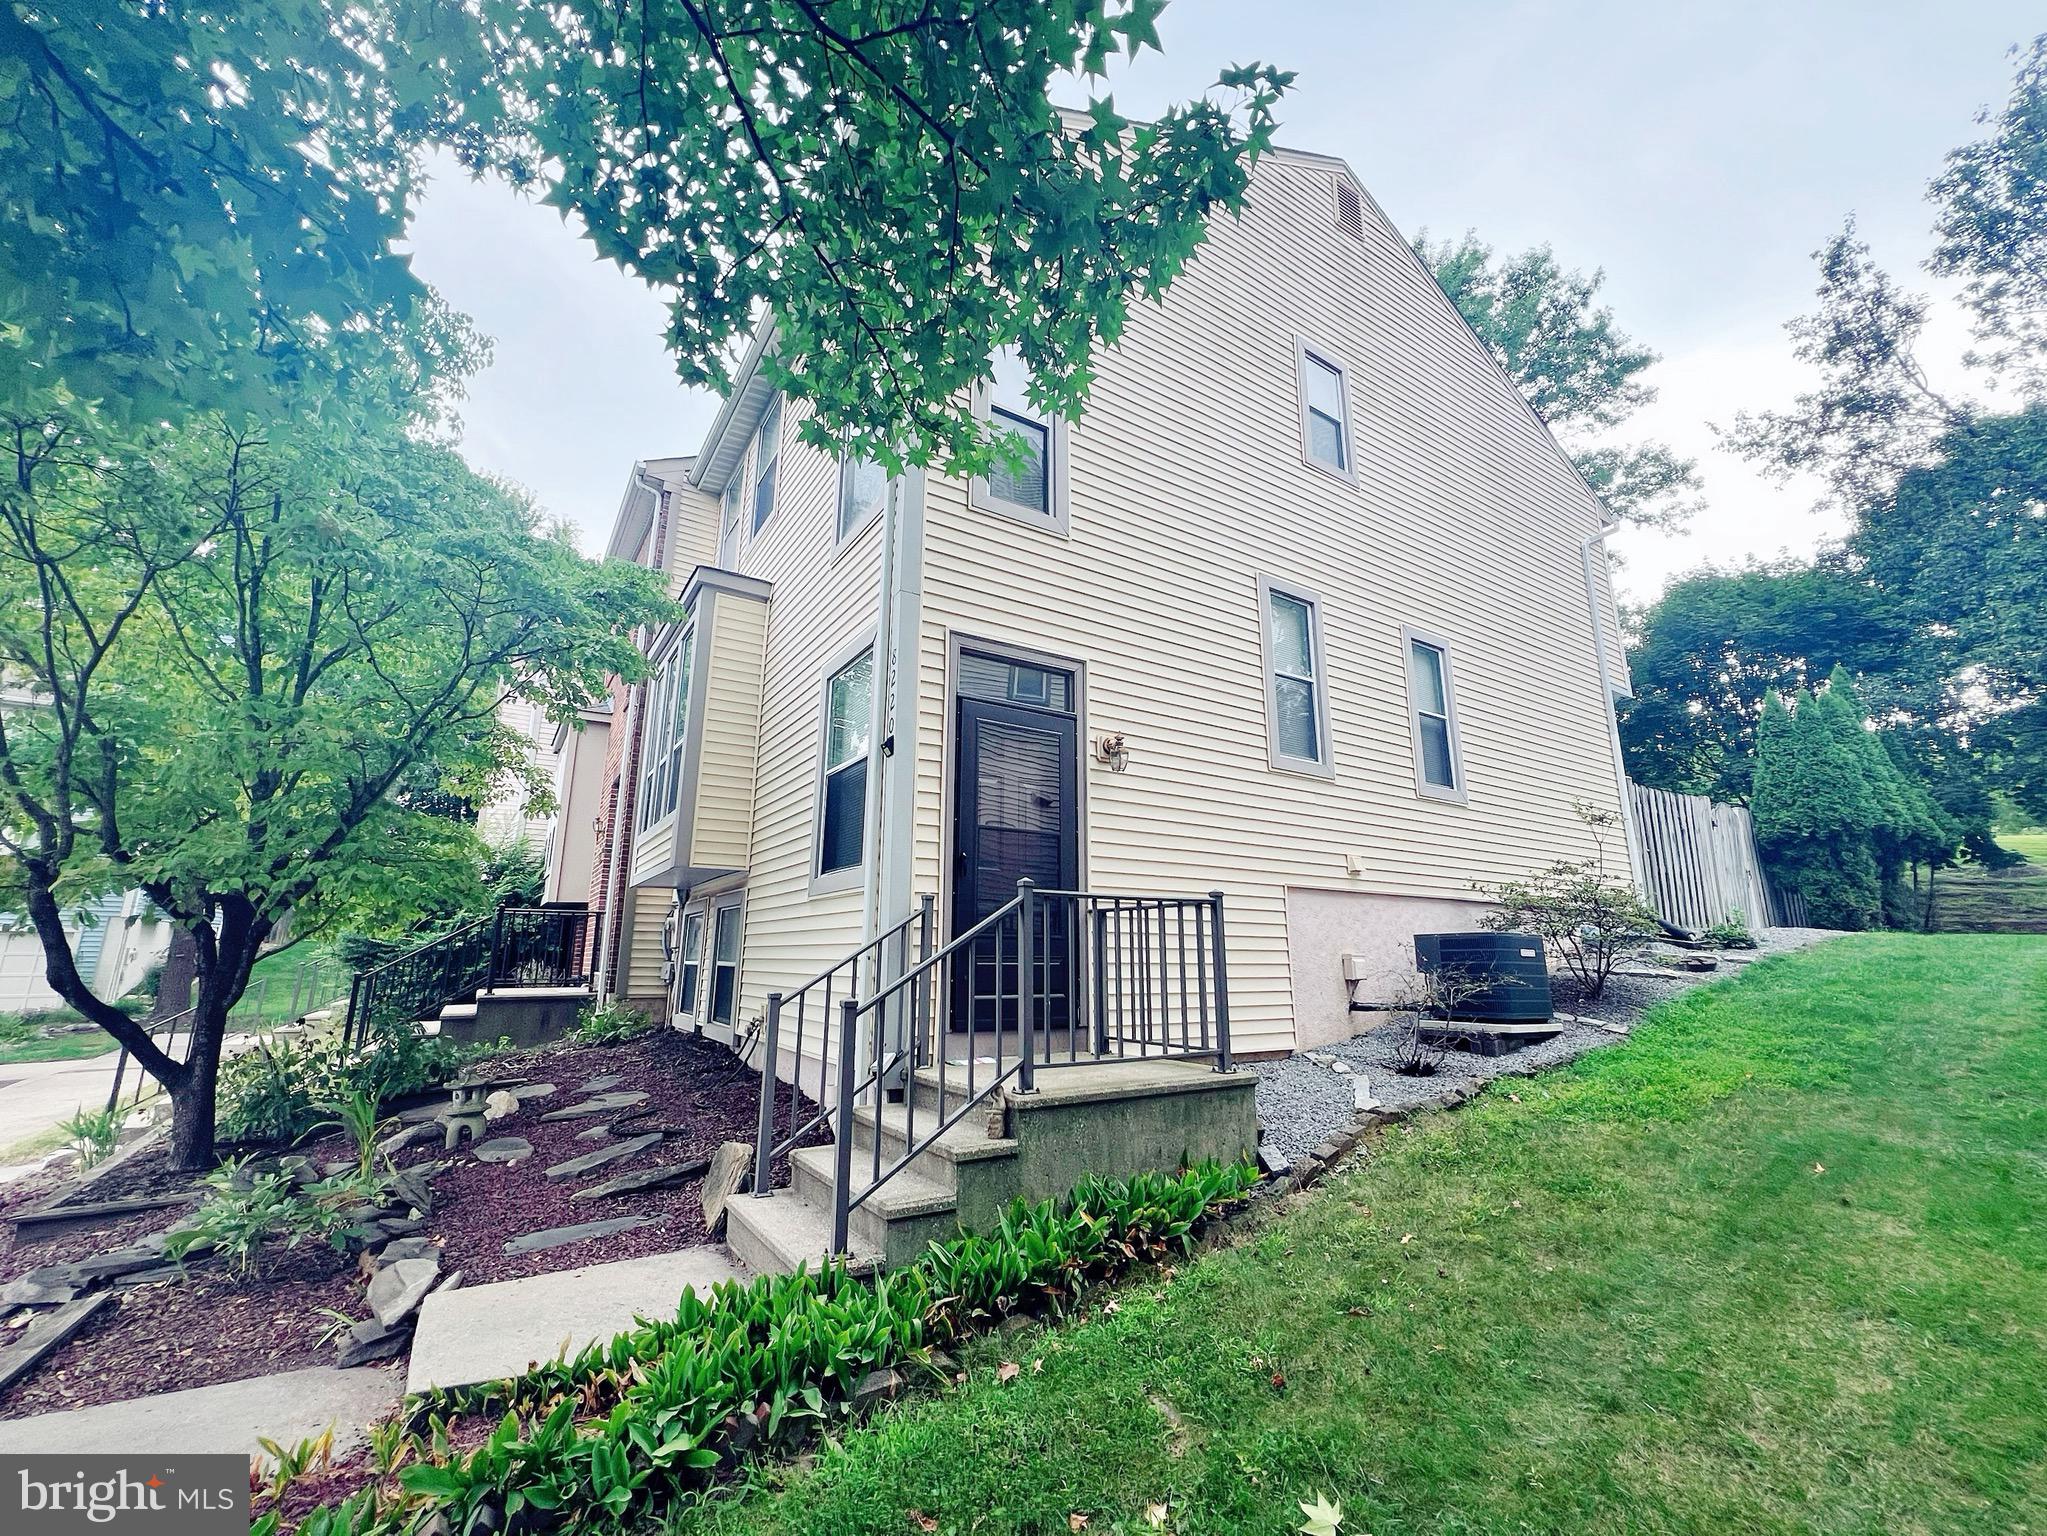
column 1778, row 1263
column 21, row 1040
column 1973, row 899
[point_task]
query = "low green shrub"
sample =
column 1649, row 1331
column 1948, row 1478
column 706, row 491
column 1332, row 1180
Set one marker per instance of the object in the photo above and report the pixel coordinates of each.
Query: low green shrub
column 599, row 1441
column 92, row 1134
column 280, row 1091
column 1731, row 932
column 244, row 1210
column 610, row 1024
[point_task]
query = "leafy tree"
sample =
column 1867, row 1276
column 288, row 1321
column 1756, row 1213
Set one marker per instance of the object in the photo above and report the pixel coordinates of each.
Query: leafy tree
column 1561, row 347
column 1814, row 813
column 230, row 649
column 1706, row 655
column 1992, row 199
column 890, row 180
column 205, row 201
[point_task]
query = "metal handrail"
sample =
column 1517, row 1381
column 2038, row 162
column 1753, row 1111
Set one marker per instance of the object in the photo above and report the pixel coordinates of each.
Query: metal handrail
column 768, row 1146
column 1131, row 987
column 169, row 1027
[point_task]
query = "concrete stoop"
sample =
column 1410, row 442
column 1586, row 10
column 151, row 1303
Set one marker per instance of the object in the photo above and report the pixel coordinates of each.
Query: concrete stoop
column 526, row 1015
column 1113, row 1118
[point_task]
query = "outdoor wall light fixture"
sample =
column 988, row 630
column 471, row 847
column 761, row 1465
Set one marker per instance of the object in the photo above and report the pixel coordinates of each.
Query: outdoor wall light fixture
column 1114, row 751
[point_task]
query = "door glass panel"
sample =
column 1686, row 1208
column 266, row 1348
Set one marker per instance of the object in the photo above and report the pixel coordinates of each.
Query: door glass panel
column 1015, row 682
column 1017, row 813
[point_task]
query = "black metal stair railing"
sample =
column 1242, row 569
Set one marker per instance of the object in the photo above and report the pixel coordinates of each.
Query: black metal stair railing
column 801, row 1022
column 513, row 947
column 1050, row 979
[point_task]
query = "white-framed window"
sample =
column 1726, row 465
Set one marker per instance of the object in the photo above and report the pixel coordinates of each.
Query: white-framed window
column 863, row 488
column 1327, row 441
column 689, row 964
column 730, row 511
column 767, row 460
column 1031, row 484
column 842, row 777
column 1432, row 699
column 666, row 730
column 725, row 964
column 1296, row 679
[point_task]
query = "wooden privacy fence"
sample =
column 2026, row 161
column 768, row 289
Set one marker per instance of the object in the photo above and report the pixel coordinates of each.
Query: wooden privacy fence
column 1700, row 864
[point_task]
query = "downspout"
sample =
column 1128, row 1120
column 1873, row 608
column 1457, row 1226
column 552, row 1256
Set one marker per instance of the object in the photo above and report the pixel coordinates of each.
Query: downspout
column 873, row 907
column 1606, row 699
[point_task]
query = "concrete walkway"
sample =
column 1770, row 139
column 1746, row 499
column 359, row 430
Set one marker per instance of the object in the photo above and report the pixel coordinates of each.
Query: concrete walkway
column 35, row 1095
column 489, row 1332
column 230, row 1417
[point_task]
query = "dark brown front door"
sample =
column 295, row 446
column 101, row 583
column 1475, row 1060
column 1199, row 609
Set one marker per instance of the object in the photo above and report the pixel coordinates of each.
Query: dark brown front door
column 1016, row 815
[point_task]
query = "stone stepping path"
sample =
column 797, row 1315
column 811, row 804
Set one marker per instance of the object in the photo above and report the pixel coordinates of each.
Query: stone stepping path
column 595, row 1133
column 582, row 1232
column 589, row 1162
column 599, row 1084
column 644, row 1178
column 502, row 1149
column 603, row 1104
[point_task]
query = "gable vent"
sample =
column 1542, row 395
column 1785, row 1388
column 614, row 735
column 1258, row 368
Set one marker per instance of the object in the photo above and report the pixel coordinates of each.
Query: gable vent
column 1350, row 211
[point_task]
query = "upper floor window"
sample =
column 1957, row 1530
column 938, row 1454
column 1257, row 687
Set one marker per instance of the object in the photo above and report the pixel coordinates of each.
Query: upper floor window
column 728, row 516
column 842, row 797
column 1296, row 692
column 1028, row 477
column 767, row 459
column 1325, row 412
column 1438, row 773
column 661, row 739
column 863, row 487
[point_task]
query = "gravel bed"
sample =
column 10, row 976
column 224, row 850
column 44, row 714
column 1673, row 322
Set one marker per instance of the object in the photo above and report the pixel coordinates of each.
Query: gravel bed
column 1303, row 1102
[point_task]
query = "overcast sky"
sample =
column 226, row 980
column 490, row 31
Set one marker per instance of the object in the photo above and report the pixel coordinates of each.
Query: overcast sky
column 1696, row 152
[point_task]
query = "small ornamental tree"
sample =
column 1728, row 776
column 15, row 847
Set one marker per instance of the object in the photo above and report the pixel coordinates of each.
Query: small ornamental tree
column 1590, row 920
column 227, row 647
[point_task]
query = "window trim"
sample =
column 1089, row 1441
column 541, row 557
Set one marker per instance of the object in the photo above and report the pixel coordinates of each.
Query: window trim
column 1458, row 793
column 1304, row 350
column 766, row 455
column 689, row 960
column 1053, row 518
column 849, row 536
column 852, row 875
column 1322, row 766
column 719, row 906
column 664, row 730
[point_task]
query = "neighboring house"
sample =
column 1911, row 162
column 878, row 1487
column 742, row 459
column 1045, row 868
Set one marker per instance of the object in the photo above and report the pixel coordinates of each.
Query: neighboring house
column 114, row 944
column 1298, row 611
column 571, row 844
column 511, row 815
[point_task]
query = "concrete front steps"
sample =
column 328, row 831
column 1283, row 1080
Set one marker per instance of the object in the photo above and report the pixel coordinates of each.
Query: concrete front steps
column 1113, row 1118
column 524, row 1015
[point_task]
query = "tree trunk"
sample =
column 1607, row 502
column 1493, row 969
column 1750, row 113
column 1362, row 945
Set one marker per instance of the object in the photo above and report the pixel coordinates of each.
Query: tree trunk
column 225, row 960
column 192, row 1100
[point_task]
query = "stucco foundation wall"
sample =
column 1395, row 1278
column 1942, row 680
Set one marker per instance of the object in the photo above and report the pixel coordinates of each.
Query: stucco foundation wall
column 1325, row 925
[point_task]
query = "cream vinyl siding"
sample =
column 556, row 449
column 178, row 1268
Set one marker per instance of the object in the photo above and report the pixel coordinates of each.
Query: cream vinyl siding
column 654, row 849
column 1187, row 485
column 724, row 782
column 643, row 941
column 824, row 599
column 693, row 533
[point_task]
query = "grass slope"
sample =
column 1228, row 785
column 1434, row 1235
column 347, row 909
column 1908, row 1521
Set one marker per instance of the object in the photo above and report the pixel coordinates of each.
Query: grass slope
column 1776, row 1264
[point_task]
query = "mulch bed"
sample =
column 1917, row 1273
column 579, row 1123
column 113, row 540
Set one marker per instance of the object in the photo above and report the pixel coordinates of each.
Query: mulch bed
column 699, row 1093
column 194, row 1333
column 209, row 1328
